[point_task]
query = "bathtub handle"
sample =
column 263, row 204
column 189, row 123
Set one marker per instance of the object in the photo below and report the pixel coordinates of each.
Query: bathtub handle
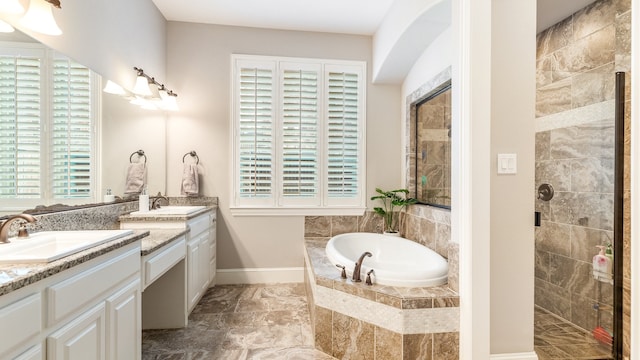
column 343, row 274
column 368, row 281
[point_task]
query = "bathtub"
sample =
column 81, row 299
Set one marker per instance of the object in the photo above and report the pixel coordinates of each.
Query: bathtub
column 396, row 261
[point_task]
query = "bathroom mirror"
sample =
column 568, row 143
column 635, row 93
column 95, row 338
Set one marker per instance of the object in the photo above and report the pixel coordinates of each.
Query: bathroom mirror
column 120, row 127
column 433, row 148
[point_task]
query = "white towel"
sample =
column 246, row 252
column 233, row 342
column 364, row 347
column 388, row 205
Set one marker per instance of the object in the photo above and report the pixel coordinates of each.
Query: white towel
column 190, row 185
column 136, row 176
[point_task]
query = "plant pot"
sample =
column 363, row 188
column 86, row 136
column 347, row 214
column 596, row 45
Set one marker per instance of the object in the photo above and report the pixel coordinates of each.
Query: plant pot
column 395, row 233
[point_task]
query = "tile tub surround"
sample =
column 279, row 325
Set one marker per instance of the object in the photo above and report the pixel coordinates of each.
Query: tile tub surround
column 576, row 61
column 427, row 225
column 356, row 321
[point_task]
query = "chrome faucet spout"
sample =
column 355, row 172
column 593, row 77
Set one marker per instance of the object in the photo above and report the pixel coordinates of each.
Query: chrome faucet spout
column 4, row 228
column 356, row 269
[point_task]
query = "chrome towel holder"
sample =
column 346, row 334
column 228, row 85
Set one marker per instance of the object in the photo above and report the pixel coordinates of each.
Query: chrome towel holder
column 193, row 154
column 140, row 154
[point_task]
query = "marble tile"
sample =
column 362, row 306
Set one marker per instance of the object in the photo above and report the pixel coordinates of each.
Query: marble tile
column 553, row 237
column 553, row 298
column 317, row 226
column 553, row 98
column 343, row 224
column 555, row 37
column 554, row 172
column 587, row 53
column 593, row 86
column 370, row 222
column 388, row 345
column 324, row 330
column 593, row 139
column 454, row 266
column 594, row 17
column 442, row 237
column 294, row 353
column 584, row 209
column 352, row 339
column 544, row 73
column 584, row 241
column 262, row 337
column 592, row 175
column 445, row 346
column 623, row 43
column 543, row 144
column 417, row 346
column 542, row 265
column 575, row 276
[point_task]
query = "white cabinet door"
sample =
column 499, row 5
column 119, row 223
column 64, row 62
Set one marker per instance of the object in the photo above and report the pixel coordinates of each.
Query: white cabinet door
column 193, row 290
column 124, row 329
column 81, row 339
column 34, row 353
column 198, row 268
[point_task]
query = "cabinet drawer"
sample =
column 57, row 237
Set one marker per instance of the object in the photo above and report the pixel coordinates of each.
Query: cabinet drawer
column 158, row 264
column 199, row 224
column 72, row 294
column 20, row 321
column 34, row 353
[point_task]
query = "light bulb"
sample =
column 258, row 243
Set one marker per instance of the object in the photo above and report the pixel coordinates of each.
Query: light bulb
column 39, row 18
column 5, row 27
column 11, row 7
column 142, row 86
column 113, row 88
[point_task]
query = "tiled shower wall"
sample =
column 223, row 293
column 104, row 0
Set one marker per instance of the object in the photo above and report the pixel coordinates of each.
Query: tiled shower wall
column 576, row 64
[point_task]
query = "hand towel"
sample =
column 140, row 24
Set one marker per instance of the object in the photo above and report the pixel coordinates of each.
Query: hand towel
column 136, row 176
column 190, row 185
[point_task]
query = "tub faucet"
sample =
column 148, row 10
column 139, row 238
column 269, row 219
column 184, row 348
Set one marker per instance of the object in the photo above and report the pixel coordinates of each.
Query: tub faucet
column 155, row 204
column 356, row 269
column 4, row 228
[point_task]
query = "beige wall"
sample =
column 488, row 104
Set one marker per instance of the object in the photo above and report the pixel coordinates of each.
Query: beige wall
column 512, row 131
column 199, row 65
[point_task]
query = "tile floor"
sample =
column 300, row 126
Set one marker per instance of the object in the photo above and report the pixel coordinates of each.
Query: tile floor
column 557, row 339
column 240, row 322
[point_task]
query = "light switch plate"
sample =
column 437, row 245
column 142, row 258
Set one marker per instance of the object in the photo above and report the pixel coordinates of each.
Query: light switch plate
column 507, row 163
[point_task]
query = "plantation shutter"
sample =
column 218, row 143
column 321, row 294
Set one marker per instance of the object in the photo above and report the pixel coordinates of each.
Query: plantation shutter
column 20, row 112
column 343, row 116
column 299, row 133
column 255, row 138
column 71, row 132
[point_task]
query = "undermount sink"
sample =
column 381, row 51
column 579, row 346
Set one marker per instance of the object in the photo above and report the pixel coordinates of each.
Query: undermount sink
column 48, row 246
column 169, row 210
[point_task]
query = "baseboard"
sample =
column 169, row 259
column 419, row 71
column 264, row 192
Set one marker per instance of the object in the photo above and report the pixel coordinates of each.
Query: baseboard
column 515, row 356
column 259, row 275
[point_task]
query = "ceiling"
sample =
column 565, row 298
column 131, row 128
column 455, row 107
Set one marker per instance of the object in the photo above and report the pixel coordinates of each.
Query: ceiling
column 361, row 17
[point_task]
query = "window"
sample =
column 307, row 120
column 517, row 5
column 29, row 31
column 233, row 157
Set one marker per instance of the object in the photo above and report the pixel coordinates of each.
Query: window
column 48, row 120
column 298, row 133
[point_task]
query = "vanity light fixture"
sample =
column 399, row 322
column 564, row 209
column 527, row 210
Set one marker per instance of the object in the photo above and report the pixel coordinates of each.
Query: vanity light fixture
column 39, row 17
column 113, row 88
column 5, row 27
column 159, row 98
column 11, row 7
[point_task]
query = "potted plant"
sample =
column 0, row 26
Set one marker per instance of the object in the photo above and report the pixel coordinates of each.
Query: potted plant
column 390, row 201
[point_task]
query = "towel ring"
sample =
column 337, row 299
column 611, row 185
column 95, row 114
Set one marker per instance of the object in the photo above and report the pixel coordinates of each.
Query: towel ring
column 193, row 154
column 140, row 154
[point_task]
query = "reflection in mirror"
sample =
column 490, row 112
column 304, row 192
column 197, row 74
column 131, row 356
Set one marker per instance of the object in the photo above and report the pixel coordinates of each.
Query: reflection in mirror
column 49, row 111
column 433, row 148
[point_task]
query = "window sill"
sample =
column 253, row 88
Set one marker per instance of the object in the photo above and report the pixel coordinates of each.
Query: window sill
column 297, row 211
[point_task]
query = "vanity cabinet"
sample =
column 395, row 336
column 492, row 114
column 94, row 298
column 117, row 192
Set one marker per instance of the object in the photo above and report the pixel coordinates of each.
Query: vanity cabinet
column 200, row 265
column 89, row 311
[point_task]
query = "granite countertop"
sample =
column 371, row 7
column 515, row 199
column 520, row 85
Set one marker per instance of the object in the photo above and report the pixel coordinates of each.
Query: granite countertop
column 159, row 238
column 165, row 218
column 16, row 276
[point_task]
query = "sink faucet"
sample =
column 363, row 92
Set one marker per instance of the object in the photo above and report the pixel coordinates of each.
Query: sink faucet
column 4, row 228
column 356, row 269
column 155, row 204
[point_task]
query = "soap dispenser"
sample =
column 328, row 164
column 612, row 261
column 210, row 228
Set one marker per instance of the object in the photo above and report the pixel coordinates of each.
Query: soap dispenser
column 601, row 266
column 143, row 201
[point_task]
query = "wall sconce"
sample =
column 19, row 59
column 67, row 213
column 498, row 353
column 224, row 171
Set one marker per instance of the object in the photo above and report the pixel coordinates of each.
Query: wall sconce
column 38, row 18
column 147, row 93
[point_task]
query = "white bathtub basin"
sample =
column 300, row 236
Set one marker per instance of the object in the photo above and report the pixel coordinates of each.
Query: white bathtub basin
column 396, row 261
column 48, row 246
column 169, row 210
